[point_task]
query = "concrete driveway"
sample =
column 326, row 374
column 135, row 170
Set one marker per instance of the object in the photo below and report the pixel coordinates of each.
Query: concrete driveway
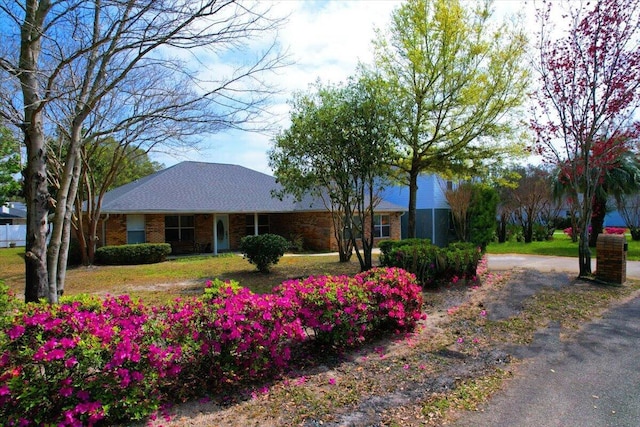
column 548, row 263
column 591, row 380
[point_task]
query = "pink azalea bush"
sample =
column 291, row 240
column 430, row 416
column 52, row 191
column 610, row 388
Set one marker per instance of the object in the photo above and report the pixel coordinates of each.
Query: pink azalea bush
column 89, row 361
column 608, row 230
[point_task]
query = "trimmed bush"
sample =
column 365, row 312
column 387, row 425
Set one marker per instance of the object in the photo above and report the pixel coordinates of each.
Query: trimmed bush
column 143, row 253
column 433, row 265
column 387, row 246
column 263, row 250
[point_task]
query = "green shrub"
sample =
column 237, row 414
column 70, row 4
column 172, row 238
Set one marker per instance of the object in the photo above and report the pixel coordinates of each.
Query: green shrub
column 263, row 250
column 387, row 246
column 514, row 233
column 144, row 253
column 482, row 215
column 432, row 265
column 216, row 288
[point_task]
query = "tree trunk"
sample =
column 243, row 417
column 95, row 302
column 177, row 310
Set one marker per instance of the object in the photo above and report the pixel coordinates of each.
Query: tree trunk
column 597, row 219
column 37, row 200
column 584, row 255
column 502, row 229
column 35, row 174
column 63, row 255
column 528, row 231
column 413, row 195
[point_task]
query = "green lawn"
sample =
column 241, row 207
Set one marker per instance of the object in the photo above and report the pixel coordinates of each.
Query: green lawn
column 561, row 245
column 178, row 277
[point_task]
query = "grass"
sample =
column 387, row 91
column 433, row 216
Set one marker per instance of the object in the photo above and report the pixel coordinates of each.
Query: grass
column 561, row 245
column 178, row 277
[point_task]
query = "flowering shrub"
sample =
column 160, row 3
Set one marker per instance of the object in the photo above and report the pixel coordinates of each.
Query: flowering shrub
column 615, row 230
column 89, row 361
column 397, row 297
column 608, row 230
column 337, row 308
column 73, row 366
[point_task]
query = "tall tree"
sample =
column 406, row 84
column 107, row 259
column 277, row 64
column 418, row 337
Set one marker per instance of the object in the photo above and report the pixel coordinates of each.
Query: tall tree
column 119, row 74
column 338, row 149
column 9, row 165
column 588, row 94
column 455, row 80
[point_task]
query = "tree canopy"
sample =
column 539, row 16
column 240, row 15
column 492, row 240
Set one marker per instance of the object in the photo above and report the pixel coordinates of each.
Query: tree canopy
column 338, row 149
column 455, row 81
column 584, row 116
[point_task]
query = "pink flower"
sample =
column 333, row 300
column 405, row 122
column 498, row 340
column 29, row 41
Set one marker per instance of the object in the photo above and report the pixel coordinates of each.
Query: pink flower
column 16, row 332
column 460, row 340
column 332, row 381
column 483, row 313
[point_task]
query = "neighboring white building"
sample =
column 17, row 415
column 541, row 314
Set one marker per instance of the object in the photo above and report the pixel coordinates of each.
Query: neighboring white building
column 13, row 229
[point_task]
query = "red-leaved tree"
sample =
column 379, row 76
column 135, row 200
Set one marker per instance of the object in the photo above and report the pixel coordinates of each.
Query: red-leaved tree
column 588, row 92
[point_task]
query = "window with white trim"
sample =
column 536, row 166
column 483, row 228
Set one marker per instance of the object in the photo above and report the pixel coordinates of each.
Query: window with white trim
column 263, row 224
column 135, row 229
column 381, row 226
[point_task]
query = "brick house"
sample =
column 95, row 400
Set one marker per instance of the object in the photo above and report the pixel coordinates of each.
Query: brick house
column 209, row 207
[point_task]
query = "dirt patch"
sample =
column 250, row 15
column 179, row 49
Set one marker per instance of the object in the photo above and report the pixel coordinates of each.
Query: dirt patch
column 387, row 382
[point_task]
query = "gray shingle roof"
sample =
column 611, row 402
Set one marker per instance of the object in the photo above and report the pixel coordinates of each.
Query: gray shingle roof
column 198, row 187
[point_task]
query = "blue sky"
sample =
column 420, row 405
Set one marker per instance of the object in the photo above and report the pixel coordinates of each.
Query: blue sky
column 325, row 39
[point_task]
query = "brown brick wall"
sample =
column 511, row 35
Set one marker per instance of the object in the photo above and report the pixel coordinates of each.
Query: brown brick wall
column 315, row 227
column 154, row 228
column 611, row 262
column 116, row 230
column 237, row 226
column 204, row 230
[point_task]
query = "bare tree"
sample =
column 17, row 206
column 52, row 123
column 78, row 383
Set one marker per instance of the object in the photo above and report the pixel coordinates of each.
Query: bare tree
column 114, row 68
column 531, row 198
column 459, row 200
column 629, row 208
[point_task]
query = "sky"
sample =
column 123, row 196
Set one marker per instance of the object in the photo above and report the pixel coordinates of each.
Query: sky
column 325, row 40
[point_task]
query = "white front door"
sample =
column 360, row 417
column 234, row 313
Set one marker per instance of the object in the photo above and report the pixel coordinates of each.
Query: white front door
column 221, row 233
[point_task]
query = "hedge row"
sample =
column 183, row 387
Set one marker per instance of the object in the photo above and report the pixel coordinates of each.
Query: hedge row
column 88, row 361
column 431, row 264
column 143, row 253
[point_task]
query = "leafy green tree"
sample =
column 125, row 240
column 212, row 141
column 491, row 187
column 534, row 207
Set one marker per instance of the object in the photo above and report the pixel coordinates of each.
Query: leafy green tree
column 338, row 149
column 482, row 215
column 9, row 165
column 454, row 80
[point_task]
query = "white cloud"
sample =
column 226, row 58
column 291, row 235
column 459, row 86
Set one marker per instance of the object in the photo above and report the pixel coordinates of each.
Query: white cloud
column 326, row 40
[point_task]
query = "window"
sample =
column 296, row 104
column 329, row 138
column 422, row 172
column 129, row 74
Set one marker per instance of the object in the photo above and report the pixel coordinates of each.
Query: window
column 263, row 224
column 381, row 226
column 135, row 229
column 179, row 228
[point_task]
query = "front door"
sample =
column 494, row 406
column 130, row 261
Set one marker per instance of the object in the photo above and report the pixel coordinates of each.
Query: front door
column 221, row 233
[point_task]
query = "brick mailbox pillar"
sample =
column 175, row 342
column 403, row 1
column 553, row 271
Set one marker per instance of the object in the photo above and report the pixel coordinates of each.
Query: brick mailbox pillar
column 611, row 262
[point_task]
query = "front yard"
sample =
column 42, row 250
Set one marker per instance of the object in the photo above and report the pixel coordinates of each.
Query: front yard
column 454, row 361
